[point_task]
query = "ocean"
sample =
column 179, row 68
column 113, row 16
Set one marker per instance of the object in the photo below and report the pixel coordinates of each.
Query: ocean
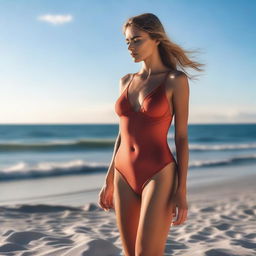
column 34, row 157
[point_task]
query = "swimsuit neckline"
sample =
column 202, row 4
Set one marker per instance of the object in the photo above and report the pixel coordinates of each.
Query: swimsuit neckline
column 149, row 94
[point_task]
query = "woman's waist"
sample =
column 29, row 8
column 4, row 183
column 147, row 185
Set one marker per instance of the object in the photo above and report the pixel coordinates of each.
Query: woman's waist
column 141, row 145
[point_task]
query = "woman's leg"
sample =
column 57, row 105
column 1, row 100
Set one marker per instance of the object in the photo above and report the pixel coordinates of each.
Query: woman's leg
column 156, row 212
column 127, row 210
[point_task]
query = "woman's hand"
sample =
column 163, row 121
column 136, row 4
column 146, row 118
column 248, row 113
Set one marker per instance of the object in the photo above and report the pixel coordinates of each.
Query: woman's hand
column 106, row 197
column 180, row 201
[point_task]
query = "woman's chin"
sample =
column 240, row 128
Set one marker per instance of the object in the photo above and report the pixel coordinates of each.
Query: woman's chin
column 135, row 59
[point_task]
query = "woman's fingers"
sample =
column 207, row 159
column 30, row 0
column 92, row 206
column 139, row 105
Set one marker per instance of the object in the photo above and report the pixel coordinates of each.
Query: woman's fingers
column 102, row 202
column 178, row 219
column 182, row 216
column 174, row 211
column 110, row 202
column 105, row 200
column 105, row 204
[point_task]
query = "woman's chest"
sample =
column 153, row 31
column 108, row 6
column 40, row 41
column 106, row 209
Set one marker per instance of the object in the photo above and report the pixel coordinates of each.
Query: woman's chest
column 154, row 104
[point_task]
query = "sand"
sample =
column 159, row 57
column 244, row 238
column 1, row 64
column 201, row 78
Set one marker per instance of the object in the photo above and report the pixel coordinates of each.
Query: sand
column 221, row 222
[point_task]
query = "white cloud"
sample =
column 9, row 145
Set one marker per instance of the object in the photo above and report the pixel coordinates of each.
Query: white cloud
column 56, row 19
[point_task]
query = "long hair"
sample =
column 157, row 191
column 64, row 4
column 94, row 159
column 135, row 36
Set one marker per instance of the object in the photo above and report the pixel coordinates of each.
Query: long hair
column 171, row 54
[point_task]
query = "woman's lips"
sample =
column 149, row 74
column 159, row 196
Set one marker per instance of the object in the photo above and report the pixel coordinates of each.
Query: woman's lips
column 134, row 54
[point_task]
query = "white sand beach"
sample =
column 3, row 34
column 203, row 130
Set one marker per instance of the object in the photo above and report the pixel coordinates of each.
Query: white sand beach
column 221, row 222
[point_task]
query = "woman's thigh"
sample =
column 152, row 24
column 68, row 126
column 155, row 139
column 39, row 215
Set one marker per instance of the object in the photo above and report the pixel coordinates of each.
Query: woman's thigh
column 127, row 210
column 156, row 211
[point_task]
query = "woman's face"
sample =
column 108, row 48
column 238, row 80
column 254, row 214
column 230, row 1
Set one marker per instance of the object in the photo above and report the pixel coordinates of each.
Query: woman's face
column 139, row 43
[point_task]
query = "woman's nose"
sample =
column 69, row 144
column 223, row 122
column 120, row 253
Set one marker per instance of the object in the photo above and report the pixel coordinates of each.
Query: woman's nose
column 130, row 47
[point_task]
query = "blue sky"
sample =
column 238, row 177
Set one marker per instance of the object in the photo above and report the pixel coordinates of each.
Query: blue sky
column 69, row 72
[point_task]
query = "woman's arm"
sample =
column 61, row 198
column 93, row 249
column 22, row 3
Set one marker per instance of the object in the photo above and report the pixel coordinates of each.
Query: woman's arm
column 110, row 174
column 181, row 110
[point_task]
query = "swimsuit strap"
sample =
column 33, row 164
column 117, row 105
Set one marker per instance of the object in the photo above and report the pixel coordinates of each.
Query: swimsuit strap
column 130, row 81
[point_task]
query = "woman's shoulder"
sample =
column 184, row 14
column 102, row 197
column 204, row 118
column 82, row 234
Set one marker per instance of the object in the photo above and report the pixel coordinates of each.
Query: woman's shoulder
column 124, row 81
column 177, row 74
column 126, row 77
column 176, row 79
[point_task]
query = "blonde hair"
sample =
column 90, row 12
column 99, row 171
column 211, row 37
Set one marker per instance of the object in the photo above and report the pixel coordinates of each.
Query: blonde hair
column 172, row 55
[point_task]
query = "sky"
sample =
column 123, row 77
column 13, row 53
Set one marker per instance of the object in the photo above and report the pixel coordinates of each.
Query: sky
column 61, row 61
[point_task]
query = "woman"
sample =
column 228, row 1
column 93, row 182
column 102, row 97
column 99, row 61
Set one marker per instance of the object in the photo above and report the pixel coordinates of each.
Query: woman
column 144, row 183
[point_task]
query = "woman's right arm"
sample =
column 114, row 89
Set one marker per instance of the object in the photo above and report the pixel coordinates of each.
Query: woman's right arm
column 110, row 174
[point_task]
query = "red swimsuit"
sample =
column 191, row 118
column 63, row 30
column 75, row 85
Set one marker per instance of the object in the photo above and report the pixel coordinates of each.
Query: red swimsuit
column 143, row 150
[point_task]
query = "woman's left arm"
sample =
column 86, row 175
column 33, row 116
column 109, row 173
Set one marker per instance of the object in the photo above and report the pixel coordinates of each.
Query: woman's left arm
column 181, row 110
column 180, row 105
